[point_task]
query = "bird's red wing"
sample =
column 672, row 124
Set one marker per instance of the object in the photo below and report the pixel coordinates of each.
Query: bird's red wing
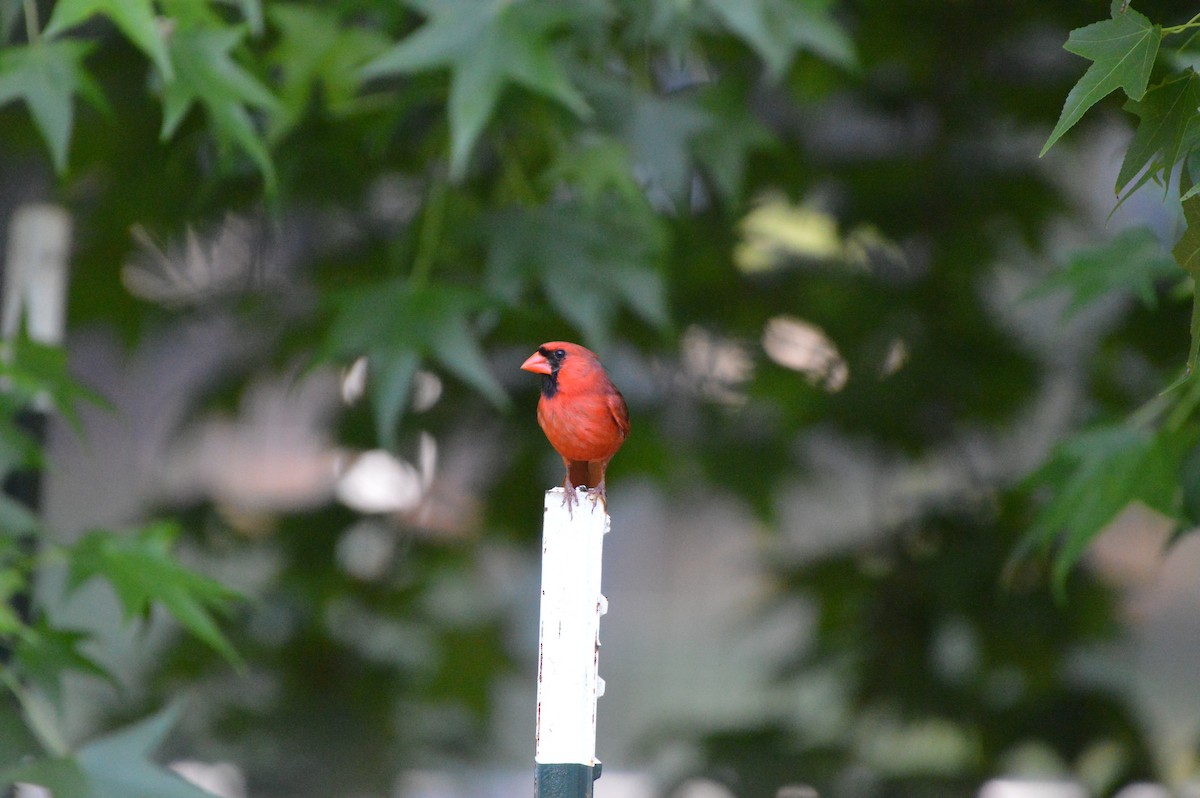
column 620, row 413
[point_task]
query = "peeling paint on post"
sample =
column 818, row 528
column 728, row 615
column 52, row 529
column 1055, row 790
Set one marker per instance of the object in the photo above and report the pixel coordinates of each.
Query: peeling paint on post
column 569, row 647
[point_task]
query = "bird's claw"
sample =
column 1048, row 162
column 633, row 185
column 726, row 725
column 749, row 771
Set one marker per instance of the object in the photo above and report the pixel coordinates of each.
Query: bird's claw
column 597, row 495
column 569, row 498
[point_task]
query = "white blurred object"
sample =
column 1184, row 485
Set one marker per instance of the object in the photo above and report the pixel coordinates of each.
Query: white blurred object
column 425, row 392
column 30, row 791
column 797, row 791
column 222, row 779
column 702, row 788
column 354, row 381
column 804, row 347
column 35, row 272
column 377, row 482
column 1023, row 788
column 232, row 258
column 365, row 550
column 276, row 455
column 715, row 367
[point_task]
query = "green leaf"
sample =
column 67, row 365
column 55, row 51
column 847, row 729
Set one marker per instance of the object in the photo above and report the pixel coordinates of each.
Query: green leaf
column 587, row 263
column 16, row 520
column 399, row 324
column 1096, row 475
column 390, row 380
column 142, row 572
column 46, row 76
column 114, row 766
column 45, row 653
column 60, row 775
column 777, row 29
column 314, row 52
column 1166, row 112
column 134, row 18
column 659, row 134
column 1132, row 262
column 17, row 743
column 35, row 372
column 252, row 12
column 208, row 75
column 595, row 165
column 1187, row 255
column 1122, row 50
column 486, row 46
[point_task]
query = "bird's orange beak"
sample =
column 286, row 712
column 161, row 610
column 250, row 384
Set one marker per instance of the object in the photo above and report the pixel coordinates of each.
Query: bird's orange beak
column 537, row 364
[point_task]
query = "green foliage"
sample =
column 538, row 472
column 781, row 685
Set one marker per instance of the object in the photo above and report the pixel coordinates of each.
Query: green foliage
column 315, row 55
column 398, row 324
column 208, row 76
column 143, row 573
column 777, row 29
column 589, row 264
column 1166, row 129
column 114, row 766
column 47, row 76
column 1133, row 262
column 486, row 46
column 1122, row 51
column 1187, row 254
column 1095, row 475
column 45, row 654
column 39, row 653
column 135, row 18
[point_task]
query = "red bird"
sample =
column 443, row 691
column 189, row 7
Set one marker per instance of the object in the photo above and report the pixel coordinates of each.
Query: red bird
column 582, row 413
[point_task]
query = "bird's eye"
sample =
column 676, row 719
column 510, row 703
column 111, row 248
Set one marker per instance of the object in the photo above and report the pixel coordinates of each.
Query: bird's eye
column 560, row 353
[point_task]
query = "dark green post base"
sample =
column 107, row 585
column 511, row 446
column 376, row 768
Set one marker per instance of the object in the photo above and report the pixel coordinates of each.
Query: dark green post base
column 564, row 781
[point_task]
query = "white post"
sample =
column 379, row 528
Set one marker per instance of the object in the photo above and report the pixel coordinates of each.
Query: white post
column 35, row 273
column 569, row 646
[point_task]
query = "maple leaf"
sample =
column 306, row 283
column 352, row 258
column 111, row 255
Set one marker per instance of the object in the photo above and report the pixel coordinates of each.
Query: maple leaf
column 587, row 262
column 134, row 18
column 1166, row 112
column 1122, row 51
column 1133, row 261
column 1095, row 475
column 397, row 324
column 45, row 654
column 207, row 74
column 658, row 133
column 1187, row 255
column 313, row 51
column 47, row 75
column 116, row 765
column 143, row 572
column 486, row 46
column 777, row 29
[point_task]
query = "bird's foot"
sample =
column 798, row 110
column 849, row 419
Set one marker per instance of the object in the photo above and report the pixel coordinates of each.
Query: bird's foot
column 598, row 494
column 569, row 498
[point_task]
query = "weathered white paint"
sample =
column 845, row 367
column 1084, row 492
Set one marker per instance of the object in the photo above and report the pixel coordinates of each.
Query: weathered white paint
column 569, row 632
column 35, row 272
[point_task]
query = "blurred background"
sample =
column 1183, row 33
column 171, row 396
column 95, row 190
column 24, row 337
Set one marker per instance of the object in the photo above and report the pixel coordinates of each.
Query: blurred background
column 851, row 310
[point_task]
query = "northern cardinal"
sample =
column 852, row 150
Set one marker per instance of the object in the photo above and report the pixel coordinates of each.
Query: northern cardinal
column 582, row 413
